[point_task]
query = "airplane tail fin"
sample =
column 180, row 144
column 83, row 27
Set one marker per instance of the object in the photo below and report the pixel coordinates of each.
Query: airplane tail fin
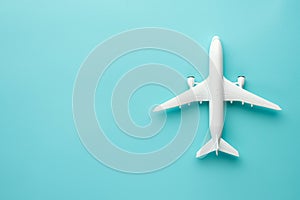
column 214, row 146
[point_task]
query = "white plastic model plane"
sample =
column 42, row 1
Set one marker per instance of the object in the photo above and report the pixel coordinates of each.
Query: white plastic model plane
column 216, row 89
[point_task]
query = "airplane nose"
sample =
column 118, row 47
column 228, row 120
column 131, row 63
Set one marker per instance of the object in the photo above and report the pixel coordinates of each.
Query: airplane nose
column 215, row 38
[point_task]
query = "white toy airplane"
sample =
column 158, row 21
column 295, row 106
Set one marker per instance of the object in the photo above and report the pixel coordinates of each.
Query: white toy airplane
column 216, row 89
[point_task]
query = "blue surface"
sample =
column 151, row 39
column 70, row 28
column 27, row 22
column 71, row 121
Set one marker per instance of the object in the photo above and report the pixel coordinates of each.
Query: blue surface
column 42, row 46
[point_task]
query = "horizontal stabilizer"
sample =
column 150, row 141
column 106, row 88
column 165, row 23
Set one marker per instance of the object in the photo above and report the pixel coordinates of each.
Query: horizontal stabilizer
column 227, row 148
column 211, row 146
column 207, row 148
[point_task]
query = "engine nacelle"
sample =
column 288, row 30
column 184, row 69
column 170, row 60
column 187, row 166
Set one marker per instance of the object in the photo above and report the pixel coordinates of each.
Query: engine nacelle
column 191, row 81
column 241, row 81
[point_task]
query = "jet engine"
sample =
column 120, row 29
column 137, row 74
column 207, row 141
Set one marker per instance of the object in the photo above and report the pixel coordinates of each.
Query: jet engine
column 241, row 81
column 191, row 81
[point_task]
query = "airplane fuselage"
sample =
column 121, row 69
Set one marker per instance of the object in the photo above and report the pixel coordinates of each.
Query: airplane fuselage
column 216, row 88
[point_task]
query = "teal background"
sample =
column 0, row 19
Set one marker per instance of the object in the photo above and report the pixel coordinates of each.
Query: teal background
column 42, row 45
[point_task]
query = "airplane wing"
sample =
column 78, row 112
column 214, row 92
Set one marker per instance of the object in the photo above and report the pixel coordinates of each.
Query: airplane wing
column 197, row 93
column 233, row 92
